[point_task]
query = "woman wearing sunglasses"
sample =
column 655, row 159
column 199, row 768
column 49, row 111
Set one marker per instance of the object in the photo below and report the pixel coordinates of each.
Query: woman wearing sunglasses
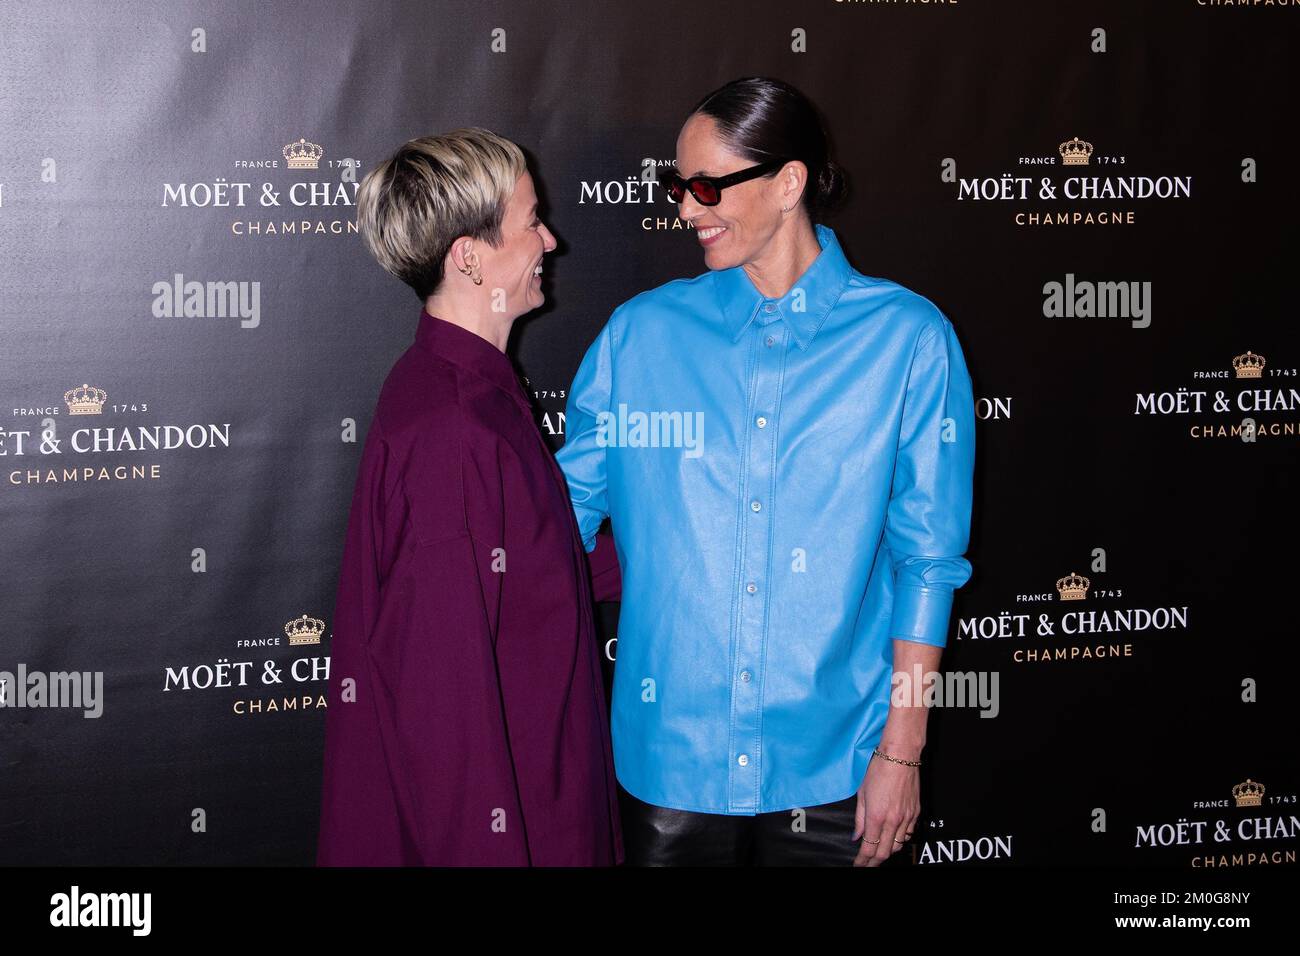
column 777, row 574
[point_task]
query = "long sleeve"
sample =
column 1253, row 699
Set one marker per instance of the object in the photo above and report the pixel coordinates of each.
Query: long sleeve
column 583, row 456
column 465, row 722
column 418, row 767
column 927, row 522
column 358, row 814
column 606, row 575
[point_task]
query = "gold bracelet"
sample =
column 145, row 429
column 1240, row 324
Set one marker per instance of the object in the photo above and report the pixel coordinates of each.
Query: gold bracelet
column 905, row 763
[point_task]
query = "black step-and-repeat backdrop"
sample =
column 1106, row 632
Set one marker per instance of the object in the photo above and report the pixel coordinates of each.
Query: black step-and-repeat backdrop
column 1100, row 195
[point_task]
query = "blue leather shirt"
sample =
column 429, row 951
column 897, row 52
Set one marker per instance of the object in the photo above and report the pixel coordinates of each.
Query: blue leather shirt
column 809, row 502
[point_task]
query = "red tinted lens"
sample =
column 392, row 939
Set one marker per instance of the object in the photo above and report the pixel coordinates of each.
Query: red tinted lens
column 704, row 191
column 673, row 185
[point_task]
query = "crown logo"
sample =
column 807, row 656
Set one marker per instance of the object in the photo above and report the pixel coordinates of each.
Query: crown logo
column 85, row 400
column 302, row 154
column 1072, row 587
column 1248, row 365
column 1075, row 152
column 305, row 630
column 1248, row 794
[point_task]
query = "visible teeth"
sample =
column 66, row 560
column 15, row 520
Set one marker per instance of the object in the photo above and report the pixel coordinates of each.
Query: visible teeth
column 538, row 270
column 712, row 231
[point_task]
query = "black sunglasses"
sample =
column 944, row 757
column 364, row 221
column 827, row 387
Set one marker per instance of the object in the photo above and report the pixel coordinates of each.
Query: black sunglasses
column 707, row 190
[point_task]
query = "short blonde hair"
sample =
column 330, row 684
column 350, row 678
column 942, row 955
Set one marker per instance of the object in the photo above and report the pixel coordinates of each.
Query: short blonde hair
column 433, row 189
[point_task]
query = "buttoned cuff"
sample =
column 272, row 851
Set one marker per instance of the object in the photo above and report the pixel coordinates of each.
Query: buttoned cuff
column 921, row 614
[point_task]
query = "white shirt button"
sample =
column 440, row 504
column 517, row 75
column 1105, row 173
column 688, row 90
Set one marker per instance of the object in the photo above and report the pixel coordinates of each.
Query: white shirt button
column 769, row 308
column 744, row 676
column 751, row 587
column 755, row 506
column 761, row 422
column 743, row 760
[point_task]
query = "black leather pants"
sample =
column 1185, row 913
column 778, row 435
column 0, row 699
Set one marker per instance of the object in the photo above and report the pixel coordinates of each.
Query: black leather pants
column 659, row 836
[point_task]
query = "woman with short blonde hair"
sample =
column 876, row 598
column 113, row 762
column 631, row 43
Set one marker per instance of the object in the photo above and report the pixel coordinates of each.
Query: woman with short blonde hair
column 466, row 720
column 413, row 205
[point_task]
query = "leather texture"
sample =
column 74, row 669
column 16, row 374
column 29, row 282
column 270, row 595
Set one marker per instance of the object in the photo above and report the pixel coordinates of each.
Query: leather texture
column 808, row 504
column 815, row 836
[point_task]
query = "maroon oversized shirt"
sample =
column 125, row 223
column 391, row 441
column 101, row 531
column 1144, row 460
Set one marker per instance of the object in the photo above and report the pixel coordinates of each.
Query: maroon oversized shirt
column 477, row 731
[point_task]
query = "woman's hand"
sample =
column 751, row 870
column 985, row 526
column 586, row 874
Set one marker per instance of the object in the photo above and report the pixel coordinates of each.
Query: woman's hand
column 889, row 802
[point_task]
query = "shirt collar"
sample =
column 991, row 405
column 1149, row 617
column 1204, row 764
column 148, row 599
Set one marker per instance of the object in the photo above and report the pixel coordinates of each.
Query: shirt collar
column 470, row 351
column 821, row 284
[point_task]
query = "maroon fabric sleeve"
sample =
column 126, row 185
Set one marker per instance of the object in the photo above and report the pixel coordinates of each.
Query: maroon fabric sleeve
column 606, row 575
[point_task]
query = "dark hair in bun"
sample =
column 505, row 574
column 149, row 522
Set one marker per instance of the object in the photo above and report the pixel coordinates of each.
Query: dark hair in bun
column 761, row 118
